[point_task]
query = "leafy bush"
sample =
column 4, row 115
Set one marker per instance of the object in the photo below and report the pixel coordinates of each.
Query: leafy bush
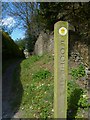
column 9, row 48
column 78, row 72
column 76, row 99
column 42, row 74
column 77, row 96
column 83, row 101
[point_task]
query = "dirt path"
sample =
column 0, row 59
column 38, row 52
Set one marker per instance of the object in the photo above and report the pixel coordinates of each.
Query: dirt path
column 6, row 91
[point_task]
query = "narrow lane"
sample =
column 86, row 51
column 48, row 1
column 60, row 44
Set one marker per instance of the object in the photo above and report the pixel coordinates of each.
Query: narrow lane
column 6, row 91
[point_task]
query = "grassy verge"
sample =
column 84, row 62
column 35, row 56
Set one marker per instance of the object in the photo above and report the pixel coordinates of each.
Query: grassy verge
column 36, row 76
column 33, row 96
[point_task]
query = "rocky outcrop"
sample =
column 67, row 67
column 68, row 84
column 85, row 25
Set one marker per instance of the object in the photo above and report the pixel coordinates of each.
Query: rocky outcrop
column 79, row 50
column 83, row 50
column 44, row 44
column 50, row 43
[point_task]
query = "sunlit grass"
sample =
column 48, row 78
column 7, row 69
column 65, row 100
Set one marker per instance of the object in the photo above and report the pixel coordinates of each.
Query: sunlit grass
column 33, row 89
column 37, row 83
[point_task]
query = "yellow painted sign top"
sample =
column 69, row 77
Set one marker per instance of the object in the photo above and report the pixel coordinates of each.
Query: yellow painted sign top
column 62, row 31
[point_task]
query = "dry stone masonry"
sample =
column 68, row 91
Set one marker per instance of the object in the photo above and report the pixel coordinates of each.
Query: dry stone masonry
column 82, row 50
column 41, row 44
column 78, row 50
column 44, row 44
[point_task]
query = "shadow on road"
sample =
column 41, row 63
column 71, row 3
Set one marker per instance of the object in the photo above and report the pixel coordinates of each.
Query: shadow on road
column 12, row 91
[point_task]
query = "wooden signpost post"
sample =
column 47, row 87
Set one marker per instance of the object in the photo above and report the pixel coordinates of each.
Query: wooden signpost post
column 60, row 69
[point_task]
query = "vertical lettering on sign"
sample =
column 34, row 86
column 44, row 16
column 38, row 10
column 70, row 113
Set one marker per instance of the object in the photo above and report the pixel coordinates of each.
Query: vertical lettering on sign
column 60, row 69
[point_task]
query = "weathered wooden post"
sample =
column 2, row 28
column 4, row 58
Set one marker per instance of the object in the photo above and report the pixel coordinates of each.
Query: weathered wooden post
column 60, row 69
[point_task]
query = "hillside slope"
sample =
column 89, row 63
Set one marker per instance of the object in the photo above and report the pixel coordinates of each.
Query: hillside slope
column 9, row 48
column 37, row 78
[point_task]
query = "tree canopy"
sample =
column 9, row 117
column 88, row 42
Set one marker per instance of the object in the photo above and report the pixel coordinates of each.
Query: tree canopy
column 34, row 17
column 78, row 14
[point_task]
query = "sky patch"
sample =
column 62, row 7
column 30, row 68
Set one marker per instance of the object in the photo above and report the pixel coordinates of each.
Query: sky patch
column 9, row 22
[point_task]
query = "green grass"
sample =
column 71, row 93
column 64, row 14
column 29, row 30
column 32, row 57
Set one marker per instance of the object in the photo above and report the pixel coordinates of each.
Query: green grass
column 77, row 96
column 77, row 100
column 33, row 89
column 78, row 72
column 36, row 79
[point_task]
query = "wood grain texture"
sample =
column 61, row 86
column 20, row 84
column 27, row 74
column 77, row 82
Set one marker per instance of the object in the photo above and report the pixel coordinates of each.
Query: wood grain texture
column 60, row 70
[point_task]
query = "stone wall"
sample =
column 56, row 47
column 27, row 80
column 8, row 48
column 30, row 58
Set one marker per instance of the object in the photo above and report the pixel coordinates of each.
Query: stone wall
column 40, row 44
column 50, row 43
column 45, row 44
column 82, row 48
